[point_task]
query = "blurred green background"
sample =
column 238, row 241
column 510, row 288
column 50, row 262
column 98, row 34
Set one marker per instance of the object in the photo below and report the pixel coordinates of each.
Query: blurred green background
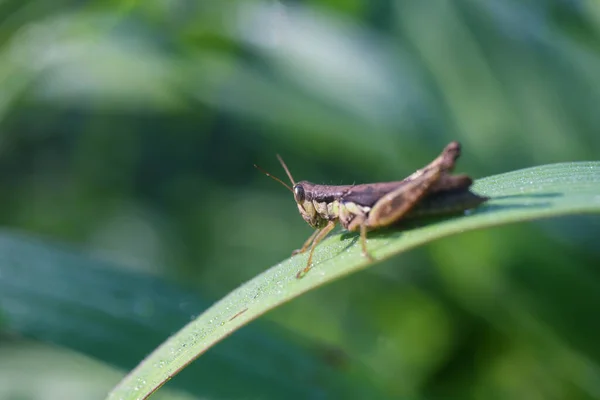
column 128, row 200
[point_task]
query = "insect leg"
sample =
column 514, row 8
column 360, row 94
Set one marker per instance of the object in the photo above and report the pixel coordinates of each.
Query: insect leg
column 306, row 244
column 444, row 162
column 322, row 233
column 363, row 242
column 393, row 206
column 354, row 218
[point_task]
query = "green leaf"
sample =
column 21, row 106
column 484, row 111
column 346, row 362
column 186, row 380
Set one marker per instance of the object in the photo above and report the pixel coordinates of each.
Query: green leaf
column 524, row 195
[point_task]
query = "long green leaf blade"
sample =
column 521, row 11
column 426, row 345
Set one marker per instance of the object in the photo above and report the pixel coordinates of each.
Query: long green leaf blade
column 523, row 195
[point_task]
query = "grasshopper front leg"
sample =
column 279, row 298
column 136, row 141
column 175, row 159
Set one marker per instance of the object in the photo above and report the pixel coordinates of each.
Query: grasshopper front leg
column 307, row 243
column 318, row 236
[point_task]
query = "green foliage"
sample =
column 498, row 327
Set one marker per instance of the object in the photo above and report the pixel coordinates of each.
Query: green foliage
column 55, row 295
column 129, row 129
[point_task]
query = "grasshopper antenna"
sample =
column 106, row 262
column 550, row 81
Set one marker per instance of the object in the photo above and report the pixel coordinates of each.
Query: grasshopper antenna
column 287, row 171
column 274, row 177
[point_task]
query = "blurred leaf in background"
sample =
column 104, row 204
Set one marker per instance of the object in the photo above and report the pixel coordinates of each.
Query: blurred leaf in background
column 129, row 129
column 116, row 316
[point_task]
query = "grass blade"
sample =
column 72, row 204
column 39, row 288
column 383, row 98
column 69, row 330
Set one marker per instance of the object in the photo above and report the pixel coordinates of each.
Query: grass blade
column 524, row 195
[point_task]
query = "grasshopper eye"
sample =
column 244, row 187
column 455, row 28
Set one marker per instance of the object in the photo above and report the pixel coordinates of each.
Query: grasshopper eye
column 299, row 193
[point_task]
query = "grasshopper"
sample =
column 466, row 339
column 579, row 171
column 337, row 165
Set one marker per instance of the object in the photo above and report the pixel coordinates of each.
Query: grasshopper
column 430, row 191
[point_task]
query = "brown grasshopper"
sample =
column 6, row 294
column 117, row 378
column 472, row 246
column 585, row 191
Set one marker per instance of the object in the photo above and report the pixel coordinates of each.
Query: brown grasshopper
column 430, row 191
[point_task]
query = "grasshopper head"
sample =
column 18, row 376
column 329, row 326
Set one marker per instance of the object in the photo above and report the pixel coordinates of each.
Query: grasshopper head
column 302, row 195
column 306, row 206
